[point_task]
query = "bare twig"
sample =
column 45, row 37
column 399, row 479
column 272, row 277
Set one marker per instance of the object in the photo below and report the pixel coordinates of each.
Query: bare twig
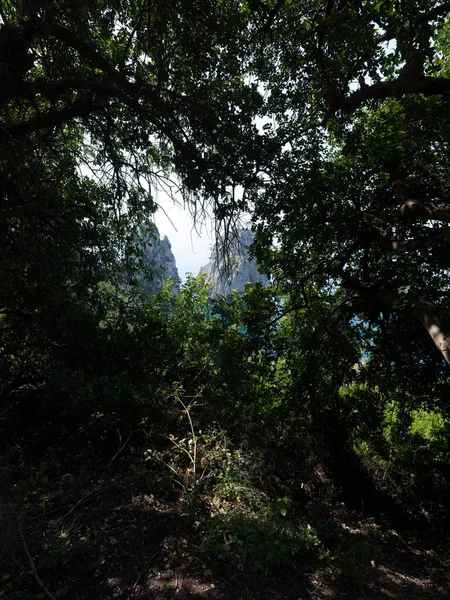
column 80, row 503
column 49, row 512
column 146, row 570
column 199, row 373
column 121, row 447
column 32, row 565
column 169, row 219
column 286, row 312
column 133, row 31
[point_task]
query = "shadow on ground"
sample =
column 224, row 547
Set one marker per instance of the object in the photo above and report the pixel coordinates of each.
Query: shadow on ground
column 128, row 545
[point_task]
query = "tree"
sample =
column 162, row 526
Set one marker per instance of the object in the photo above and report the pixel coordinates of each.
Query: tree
column 102, row 104
column 357, row 195
column 149, row 85
column 328, row 121
column 138, row 88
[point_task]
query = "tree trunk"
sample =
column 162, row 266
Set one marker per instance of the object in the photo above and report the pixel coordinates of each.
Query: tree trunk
column 382, row 297
column 430, row 319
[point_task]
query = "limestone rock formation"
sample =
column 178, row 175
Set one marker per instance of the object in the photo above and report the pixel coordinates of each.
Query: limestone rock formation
column 159, row 262
column 242, row 268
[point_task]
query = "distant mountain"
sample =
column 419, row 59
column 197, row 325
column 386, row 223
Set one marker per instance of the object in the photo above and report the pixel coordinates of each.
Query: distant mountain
column 240, row 268
column 159, row 261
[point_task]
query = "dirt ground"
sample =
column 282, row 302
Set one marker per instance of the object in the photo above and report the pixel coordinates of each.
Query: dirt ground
column 120, row 544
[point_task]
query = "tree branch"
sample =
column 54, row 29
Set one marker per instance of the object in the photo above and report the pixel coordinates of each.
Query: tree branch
column 29, row 209
column 85, row 49
column 437, row 11
column 396, row 246
column 51, row 89
column 269, row 21
column 133, row 31
column 32, row 565
column 51, row 119
column 425, row 17
column 415, row 209
column 90, row 53
column 428, row 315
column 429, row 86
column 131, row 92
column 382, row 296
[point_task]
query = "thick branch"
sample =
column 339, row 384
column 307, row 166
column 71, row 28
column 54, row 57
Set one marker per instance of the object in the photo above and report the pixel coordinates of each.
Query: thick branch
column 429, row 86
column 97, row 59
column 30, row 209
column 52, row 119
column 409, row 245
column 377, row 297
column 160, row 113
column 69, row 39
column 269, row 21
column 381, row 297
column 414, row 209
column 408, row 82
column 185, row 148
column 133, row 31
column 437, row 11
column 131, row 91
column 51, row 89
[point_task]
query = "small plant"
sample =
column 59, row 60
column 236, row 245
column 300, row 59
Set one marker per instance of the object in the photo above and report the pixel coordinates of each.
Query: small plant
column 192, row 457
column 327, row 529
column 354, row 561
column 63, row 549
column 168, row 591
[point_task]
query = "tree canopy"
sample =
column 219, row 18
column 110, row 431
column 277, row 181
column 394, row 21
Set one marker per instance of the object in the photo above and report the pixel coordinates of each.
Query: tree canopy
column 327, row 121
column 326, row 124
column 358, row 193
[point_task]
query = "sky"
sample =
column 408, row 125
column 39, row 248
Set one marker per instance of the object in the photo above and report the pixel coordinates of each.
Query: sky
column 191, row 245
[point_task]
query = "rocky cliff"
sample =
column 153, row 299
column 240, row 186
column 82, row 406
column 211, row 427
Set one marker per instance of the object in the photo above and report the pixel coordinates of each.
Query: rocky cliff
column 159, row 262
column 237, row 271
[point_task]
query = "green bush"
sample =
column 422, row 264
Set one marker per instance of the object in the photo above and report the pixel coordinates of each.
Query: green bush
column 265, row 541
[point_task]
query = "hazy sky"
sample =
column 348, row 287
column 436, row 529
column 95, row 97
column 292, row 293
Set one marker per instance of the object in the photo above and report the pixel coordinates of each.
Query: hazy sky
column 191, row 250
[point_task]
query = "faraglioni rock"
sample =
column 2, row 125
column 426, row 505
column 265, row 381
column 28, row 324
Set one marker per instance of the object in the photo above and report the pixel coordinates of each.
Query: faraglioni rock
column 159, row 262
column 239, row 269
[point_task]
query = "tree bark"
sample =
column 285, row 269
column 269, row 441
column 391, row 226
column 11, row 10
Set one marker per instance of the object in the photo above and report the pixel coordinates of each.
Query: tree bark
column 378, row 237
column 427, row 314
column 429, row 86
column 375, row 299
column 415, row 209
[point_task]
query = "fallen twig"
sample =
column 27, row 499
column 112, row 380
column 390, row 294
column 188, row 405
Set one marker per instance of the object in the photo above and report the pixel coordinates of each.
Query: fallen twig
column 146, row 570
column 121, row 447
column 39, row 581
column 49, row 512
column 80, row 502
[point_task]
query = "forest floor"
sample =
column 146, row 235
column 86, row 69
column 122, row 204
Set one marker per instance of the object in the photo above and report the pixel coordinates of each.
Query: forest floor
column 117, row 541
